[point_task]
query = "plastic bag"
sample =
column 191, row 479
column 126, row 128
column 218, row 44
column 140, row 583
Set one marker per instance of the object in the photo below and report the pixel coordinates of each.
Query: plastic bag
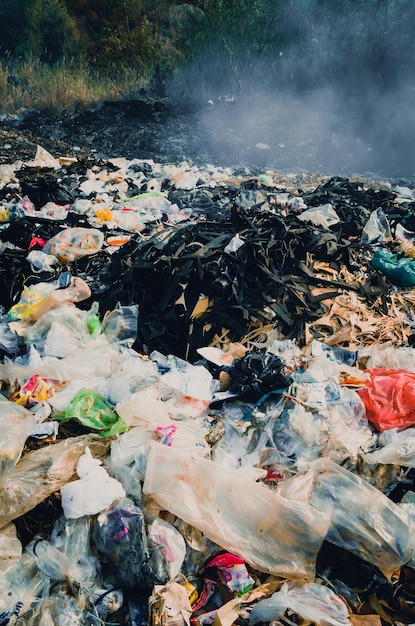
column 59, row 332
column 376, row 533
column 236, row 514
column 57, row 565
column 389, row 355
column 75, row 243
column 10, row 548
column 91, row 410
column 256, row 374
column 94, row 491
column 376, row 228
column 313, row 602
column 323, row 215
column 389, row 397
column 77, row 291
column 119, row 534
column 21, row 585
column 38, row 299
column 194, row 381
column 42, row 472
column 41, row 262
column 400, row 272
column 173, row 546
column 120, row 324
column 134, row 375
column 398, row 448
column 16, row 423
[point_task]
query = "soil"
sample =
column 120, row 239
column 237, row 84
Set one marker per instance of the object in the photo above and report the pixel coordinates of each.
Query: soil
column 222, row 133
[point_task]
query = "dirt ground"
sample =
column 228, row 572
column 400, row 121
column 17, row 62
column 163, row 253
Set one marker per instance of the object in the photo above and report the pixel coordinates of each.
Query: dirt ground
column 220, row 133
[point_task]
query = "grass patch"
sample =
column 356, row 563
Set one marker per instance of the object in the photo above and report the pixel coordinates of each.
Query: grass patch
column 31, row 84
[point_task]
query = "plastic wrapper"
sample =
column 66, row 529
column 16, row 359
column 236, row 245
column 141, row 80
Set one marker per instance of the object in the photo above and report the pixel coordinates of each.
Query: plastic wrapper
column 119, row 534
column 94, row 491
column 313, row 602
column 75, row 243
column 235, row 243
column 236, row 514
column 231, row 572
column 389, row 397
column 376, row 533
column 91, row 410
column 16, row 423
column 255, row 374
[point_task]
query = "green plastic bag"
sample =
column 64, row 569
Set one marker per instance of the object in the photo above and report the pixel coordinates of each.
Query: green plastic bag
column 91, row 410
column 400, row 272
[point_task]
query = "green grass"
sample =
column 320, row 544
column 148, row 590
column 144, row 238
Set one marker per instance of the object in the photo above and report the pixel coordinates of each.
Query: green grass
column 65, row 85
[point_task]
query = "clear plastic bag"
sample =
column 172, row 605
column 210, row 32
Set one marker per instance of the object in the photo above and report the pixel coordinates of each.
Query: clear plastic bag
column 376, row 533
column 194, row 381
column 397, row 448
column 10, row 548
column 376, row 228
column 315, row 603
column 237, row 514
column 21, row 585
column 173, row 546
column 120, row 324
column 75, row 243
column 42, row 472
column 59, row 332
column 16, row 423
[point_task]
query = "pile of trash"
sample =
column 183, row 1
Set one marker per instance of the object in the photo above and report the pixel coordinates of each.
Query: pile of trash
column 207, row 397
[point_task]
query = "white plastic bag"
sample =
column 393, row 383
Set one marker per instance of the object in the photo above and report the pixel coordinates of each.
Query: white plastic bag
column 323, row 215
column 93, row 492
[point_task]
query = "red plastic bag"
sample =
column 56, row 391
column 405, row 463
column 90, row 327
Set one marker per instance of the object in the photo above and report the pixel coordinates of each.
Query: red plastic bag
column 389, row 397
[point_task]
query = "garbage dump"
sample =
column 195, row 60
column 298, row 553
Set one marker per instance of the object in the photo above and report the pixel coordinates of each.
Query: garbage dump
column 207, row 396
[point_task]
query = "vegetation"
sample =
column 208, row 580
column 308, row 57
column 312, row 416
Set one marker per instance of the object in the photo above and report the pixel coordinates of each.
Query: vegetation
column 63, row 53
